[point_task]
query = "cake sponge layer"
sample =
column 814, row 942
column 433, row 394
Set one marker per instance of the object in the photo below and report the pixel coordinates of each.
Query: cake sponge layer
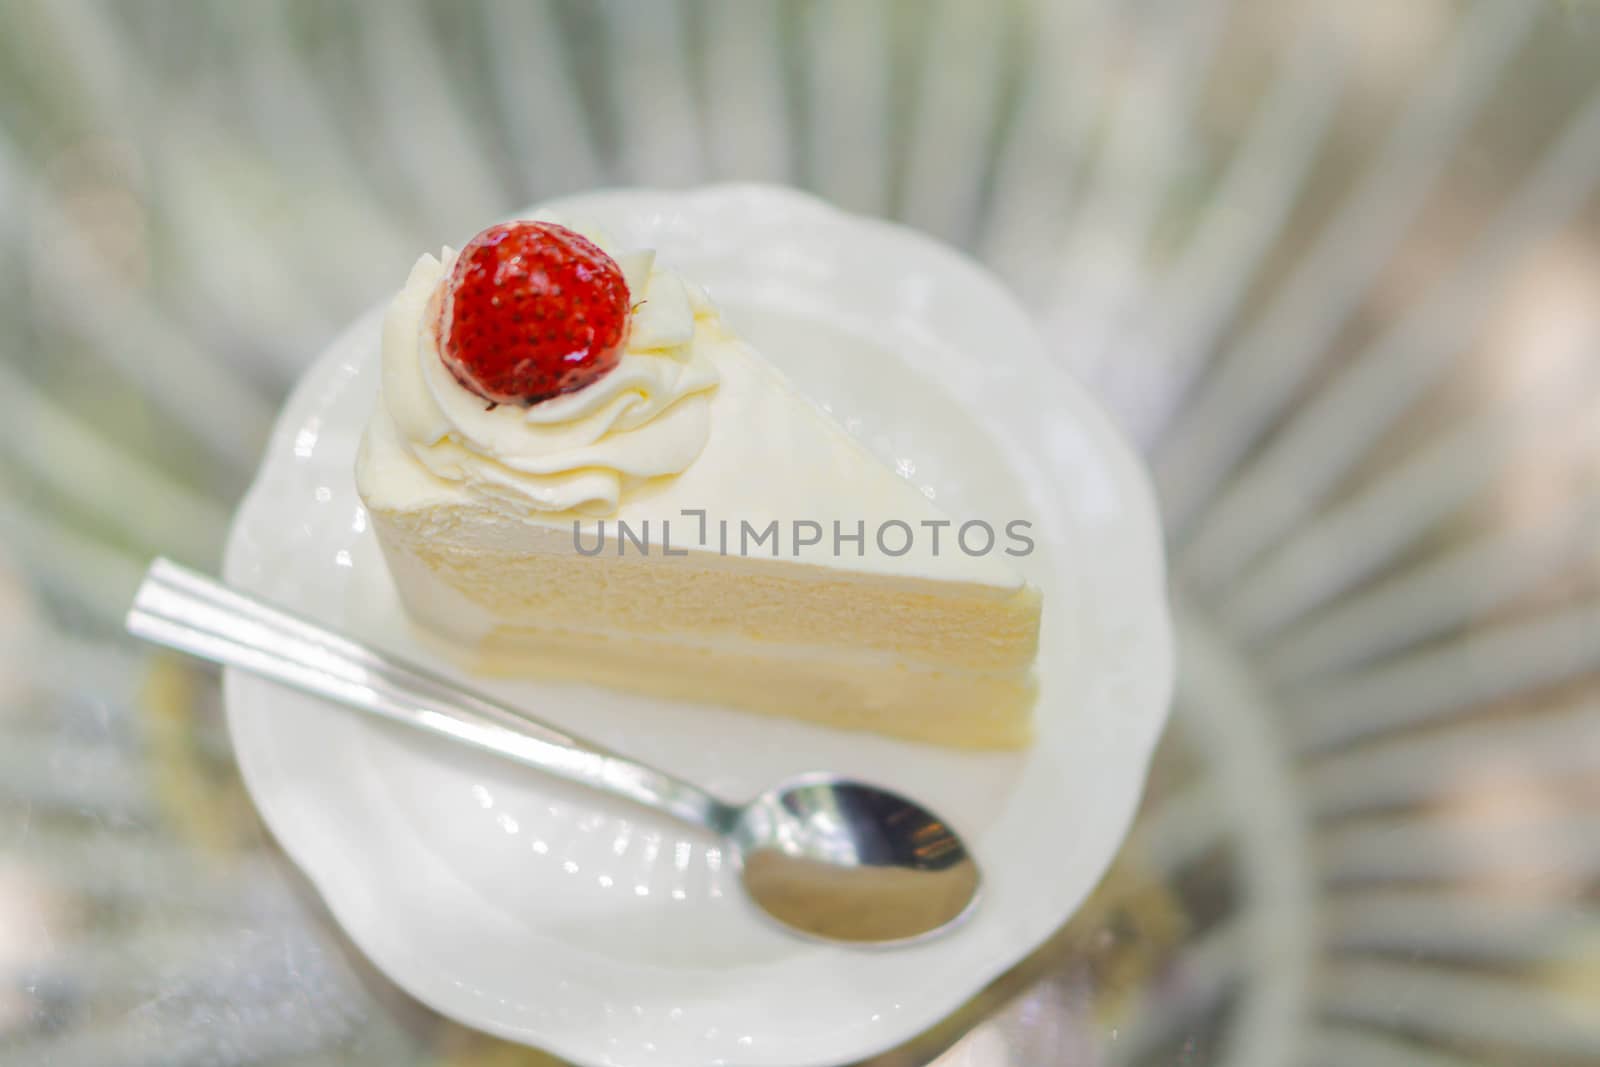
column 964, row 709
column 947, row 663
column 772, row 601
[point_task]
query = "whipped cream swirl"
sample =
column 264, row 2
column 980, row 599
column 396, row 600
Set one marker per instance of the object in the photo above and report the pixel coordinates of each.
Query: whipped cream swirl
column 579, row 452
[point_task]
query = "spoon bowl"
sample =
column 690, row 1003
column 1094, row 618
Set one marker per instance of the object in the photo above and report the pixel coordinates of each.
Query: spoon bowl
column 842, row 860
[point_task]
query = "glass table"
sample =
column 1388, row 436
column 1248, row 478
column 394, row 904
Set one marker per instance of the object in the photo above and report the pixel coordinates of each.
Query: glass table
column 1335, row 268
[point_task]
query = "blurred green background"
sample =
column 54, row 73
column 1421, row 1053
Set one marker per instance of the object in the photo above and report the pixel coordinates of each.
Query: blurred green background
column 1334, row 267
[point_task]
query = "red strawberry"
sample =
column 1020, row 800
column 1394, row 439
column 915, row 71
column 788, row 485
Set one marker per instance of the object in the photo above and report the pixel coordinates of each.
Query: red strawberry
column 533, row 311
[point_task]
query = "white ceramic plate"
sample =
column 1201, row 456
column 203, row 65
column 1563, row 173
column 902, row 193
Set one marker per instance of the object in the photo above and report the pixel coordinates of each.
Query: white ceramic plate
column 545, row 915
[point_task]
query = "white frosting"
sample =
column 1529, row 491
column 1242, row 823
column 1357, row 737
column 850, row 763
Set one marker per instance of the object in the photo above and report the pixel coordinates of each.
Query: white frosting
column 693, row 420
column 772, row 456
column 580, row 452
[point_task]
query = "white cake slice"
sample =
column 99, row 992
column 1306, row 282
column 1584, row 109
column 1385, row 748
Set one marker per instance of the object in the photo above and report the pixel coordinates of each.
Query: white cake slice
column 691, row 526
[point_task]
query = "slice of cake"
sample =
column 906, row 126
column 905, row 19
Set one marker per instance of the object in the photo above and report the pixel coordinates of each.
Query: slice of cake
column 577, row 471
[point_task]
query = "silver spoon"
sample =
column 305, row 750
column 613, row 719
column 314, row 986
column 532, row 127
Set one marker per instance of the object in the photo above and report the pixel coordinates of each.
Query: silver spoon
column 825, row 856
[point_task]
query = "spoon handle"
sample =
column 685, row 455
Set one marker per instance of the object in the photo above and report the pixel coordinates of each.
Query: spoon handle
column 192, row 613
